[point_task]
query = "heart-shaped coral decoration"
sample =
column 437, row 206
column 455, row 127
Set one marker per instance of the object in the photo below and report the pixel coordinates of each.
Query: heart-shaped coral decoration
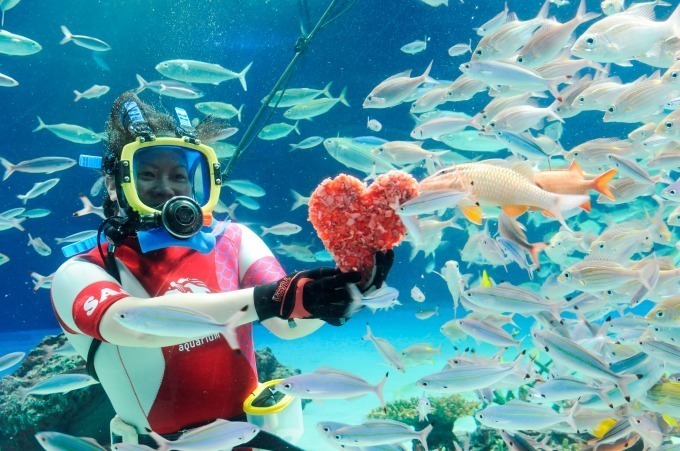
column 355, row 221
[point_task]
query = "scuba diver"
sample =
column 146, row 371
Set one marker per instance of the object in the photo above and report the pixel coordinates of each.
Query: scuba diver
column 163, row 249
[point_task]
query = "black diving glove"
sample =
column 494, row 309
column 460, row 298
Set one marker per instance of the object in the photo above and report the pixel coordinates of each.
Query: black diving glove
column 382, row 262
column 320, row 293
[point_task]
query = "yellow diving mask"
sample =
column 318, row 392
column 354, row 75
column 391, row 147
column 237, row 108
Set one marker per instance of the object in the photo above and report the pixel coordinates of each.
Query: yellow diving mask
column 170, row 182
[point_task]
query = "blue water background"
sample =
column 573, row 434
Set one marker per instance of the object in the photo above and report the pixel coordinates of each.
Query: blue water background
column 359, row 50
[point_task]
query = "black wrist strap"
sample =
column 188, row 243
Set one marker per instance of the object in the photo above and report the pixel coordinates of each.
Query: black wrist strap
column 263, row 301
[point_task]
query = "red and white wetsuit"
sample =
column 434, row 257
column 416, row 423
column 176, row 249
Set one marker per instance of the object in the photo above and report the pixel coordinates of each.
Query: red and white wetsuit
column 176, row 387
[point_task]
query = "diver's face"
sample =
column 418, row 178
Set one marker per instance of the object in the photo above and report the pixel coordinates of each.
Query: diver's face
column 161, row 178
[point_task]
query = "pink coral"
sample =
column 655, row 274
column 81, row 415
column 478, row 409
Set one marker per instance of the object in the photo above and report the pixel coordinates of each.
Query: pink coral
column 355, row 221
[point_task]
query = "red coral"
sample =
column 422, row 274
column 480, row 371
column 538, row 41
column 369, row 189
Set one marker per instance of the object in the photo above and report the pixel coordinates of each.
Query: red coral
column 360, row 221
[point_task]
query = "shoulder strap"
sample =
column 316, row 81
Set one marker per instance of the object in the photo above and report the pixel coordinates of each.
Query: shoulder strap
column 111, row 268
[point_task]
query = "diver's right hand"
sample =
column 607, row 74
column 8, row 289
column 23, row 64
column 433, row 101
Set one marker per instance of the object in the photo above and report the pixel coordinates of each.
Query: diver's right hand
column 320, row 293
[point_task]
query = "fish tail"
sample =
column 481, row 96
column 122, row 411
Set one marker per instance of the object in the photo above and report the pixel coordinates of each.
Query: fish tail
column 242, row 77
column 427, row 72
column 299, row 200
column 583, row 16
column 536, row 249
column 368, row 334
column 18, row 224
column 649, row 275
column 23, row 198
column 600, row 183
column 78, row 95
column 552, row 113
column 67, row 35
column 230, row 326
column 543, row 13
column 422, row 435
column 142, row 84
column 40, row 126
column 240, row 110
column 623, row 381
column 326, row 91
column 295, row 127
column 162, row 442
column 23, row 393
column 9, row 168
column 602, row 392
column 570, row 417
column 674, row 21
column 264, row 231
column 379, row 390
column 342, row 97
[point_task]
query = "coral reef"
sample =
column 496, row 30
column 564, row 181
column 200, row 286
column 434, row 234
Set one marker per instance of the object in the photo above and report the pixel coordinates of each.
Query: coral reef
column 446, row 410
column 85, row 412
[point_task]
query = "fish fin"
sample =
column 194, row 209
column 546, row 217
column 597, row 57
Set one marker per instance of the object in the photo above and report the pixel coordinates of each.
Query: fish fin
column 587, row 206
column 670, row 420
column 576, row 169
column 379, row 391
column 9, row 168
column 427, row 71
column 67, row 35
column 142, row 84
column 473, row 213
column 600, row 183
column 326, row 91
column 40, row 126
column 514, row 210
column 343, row 98
column 536, row 249
column 605, row 426
column 242, row 77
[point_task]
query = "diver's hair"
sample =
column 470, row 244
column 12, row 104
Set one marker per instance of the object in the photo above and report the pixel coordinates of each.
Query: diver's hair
column 118, row 136
column 161, row 123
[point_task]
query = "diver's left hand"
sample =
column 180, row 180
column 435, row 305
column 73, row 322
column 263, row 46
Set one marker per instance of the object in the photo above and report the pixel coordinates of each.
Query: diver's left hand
column 382, row 262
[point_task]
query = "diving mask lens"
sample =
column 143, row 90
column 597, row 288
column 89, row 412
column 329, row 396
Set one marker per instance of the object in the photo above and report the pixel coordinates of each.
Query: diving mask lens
column 163, row 172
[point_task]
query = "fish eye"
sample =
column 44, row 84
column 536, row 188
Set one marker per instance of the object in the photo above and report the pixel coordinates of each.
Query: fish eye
column 674, row 74
column 581, row 99
column 672, row 192
column 600, row 246
column 576, row 154
column 380, row 149
column 480, row 416
column 492, row 124
column 611, row 109
column 668, row 125
column 590, row 41
column 425, row 384
column 659, row 314
column 609, row 292
column 520, row 59
column 288, row 386
column 326, row 429
column 369, row 98
column 567, row 275
column 466, row 65
column 479, row 52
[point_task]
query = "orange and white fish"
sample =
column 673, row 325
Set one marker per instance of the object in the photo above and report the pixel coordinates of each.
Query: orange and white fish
column 573, row 181
column 509, row 186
